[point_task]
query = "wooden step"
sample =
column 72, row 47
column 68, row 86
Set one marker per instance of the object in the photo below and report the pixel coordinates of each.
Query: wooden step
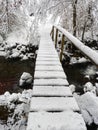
column 51, row 82
column 67, row 120
column 53, row 104
column 48, row 63
column 50, row 74
column 49, row 68
column 52, row 91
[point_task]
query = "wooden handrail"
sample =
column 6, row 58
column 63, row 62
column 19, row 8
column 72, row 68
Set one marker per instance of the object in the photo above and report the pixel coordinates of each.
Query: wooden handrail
column 86, row 51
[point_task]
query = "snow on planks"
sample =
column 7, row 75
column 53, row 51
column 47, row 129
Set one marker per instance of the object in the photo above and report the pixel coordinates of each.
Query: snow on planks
column 52, row 106
column 66, row 120
column 51, row 82
column 50, row 74
column 48, row 68
column 50, row 91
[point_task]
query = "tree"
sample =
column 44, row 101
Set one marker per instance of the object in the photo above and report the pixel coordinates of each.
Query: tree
column 74, row 4
column 75, row 15
column 8, row 17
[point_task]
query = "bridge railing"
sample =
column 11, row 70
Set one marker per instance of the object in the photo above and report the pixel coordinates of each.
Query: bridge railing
column 85, row 50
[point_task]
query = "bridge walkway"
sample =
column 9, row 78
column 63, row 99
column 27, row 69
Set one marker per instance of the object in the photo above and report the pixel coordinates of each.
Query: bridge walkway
column 52, row 106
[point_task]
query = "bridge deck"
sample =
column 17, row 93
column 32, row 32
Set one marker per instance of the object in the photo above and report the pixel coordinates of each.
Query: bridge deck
column 52, row 106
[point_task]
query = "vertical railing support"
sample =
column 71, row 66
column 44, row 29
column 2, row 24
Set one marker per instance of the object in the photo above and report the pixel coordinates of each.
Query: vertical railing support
column 56, row 38
column 62, row 47
column 53, row 33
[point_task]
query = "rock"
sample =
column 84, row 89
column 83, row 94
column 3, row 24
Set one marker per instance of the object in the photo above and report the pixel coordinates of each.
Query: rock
column 25, row 57
column 86, row 116
column 73, row 88
column 96, row 88
column 2, row 126
column 73, row 60
column 96, row 73
column 13, row 98
column 31, row 55
column 87, row 77
column 19, row 47
column 7, row 94
column 1, row 39
column 25, row 80
column 23, row 49
column 88, row 87
column 13, row 45
column 97, row 79
column 15, row 55
column 88, row 104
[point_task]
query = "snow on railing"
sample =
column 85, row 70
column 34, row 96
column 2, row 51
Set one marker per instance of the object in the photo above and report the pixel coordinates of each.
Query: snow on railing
column 87, row 51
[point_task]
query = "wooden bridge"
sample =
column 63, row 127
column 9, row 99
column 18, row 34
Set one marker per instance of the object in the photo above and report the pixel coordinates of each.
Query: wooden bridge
column 53, row 106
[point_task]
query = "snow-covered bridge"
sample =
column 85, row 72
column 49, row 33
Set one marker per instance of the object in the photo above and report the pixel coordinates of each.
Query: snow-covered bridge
column 53, row 106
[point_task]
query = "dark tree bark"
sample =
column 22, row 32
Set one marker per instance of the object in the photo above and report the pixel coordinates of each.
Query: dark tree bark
column 7, row 13
column 84, row 27
column 74, row 4
column 74, row 16
column 88, row 19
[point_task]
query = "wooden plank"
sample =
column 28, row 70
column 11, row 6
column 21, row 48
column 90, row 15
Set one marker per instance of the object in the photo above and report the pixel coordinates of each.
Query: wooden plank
column 53, row 104
column 50, row 74
column 55, row 121
column 51, row 82
column 47, row 59
column 52, row 91
column 49, row 56
column 48, row 68
column 48, row 63
column 44, row 49
column 47, row 53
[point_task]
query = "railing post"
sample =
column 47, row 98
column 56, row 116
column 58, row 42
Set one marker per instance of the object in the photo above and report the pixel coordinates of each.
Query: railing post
column 56, row 37
column 62, row 47
column 53, row 33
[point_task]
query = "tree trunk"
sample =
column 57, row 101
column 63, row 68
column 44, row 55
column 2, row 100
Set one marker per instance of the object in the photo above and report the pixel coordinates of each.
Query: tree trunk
column 83, row 32
column 74, row 4
column 74, row 16
column 7, row 16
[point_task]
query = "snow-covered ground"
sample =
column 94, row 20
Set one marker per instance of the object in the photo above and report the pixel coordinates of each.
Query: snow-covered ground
column 22, row 42
column 88, row 104
column 88, row 101
column 17, row 47
column 18, row 104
